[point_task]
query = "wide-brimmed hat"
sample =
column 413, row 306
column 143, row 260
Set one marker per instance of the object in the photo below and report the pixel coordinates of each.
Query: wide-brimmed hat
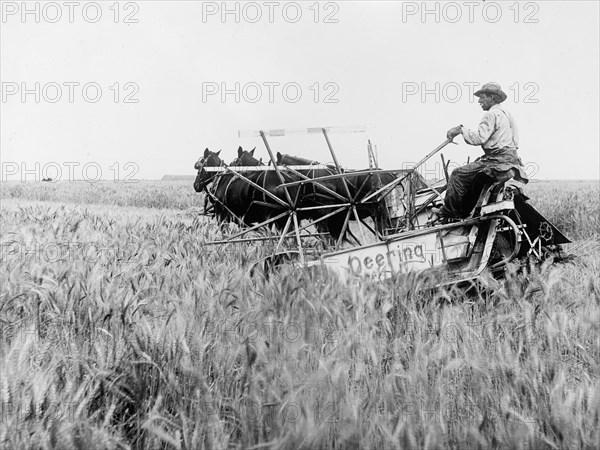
column 492, row 88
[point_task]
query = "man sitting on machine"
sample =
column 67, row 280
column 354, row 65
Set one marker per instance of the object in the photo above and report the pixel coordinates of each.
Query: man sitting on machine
column 497, row 134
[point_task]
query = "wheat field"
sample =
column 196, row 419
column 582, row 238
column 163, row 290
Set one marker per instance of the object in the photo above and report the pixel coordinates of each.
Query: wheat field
column 121, row 330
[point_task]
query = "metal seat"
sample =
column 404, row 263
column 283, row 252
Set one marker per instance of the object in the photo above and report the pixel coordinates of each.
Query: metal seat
column 503, row 177
column 479, row 194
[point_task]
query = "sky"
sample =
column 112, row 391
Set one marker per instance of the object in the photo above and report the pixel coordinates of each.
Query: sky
column 137, row 90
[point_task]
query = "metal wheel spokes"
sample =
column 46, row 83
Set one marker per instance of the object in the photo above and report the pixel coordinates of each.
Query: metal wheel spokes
column 298, row 240
column 283, row 235
column 344, row 228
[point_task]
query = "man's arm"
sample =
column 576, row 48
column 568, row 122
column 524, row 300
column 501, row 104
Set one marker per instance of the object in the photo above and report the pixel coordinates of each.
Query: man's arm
column 483, row 133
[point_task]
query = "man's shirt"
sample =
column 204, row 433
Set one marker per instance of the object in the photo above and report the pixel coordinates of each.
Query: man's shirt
column 496, row 131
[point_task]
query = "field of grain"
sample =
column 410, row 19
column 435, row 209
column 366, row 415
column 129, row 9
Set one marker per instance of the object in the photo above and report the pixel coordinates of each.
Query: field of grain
column 120, row 330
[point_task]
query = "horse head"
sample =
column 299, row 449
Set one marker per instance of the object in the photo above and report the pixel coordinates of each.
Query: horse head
column 246, row 158
column 209, row 159
column 294, row 160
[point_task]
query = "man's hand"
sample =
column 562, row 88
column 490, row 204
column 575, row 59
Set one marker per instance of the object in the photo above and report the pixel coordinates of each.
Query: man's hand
column 453, row 132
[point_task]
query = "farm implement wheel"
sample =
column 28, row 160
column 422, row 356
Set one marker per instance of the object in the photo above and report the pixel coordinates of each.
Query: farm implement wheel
column 503, row 248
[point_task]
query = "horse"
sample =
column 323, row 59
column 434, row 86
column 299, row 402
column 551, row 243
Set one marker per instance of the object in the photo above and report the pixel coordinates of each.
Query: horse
column 203, row 179
column 317, row 194
column 262, row 202
column 234, row 198
column 227, row 207
column 290, row 160
column 212, row 159
column 357, row 187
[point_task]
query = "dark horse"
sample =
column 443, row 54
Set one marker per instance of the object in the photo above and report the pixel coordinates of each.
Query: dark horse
column 234, row 198
column 204, row 178
column 229, row 195
column 357, row 188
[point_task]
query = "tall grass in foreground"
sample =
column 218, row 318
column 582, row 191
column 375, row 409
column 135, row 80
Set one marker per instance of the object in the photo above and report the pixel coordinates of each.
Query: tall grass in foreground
column 120, row 330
